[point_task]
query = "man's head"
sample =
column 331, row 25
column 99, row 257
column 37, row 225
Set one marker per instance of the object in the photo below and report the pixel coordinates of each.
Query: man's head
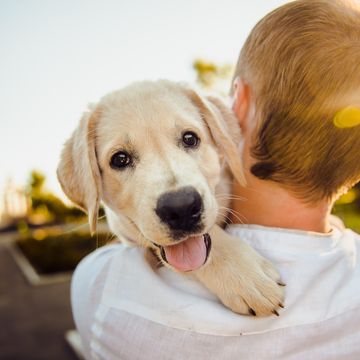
column 299, row 67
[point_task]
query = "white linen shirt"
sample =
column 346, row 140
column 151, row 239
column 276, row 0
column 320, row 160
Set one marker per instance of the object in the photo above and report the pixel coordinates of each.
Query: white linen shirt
column 125, row 310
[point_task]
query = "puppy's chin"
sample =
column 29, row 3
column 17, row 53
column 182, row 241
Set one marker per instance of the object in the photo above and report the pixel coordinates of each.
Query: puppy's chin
column 187, row 255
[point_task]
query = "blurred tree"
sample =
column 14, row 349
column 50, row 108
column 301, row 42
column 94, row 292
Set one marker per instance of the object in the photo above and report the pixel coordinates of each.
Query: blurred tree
column 212, row 76
column 45, row 206
column 37, row 181
column 357, row 197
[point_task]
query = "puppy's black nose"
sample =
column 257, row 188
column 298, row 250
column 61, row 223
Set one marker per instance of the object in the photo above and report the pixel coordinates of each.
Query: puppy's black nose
column 180, row 210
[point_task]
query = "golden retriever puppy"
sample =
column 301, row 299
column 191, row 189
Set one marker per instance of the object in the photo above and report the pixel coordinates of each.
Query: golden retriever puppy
column 158, row 156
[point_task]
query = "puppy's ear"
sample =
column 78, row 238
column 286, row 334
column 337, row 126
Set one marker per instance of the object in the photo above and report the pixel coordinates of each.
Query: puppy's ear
column 224, row 129
column 78, row 171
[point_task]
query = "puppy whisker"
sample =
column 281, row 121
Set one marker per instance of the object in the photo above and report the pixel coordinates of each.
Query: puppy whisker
column 235, row 214
column 230, row 197
column 228, row 220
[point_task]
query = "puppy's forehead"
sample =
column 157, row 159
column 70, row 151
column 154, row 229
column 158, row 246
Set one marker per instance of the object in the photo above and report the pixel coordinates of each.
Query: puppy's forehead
column 140, row 111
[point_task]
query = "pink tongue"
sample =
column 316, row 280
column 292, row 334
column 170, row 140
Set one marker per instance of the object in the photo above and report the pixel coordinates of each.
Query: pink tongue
column 188, row 255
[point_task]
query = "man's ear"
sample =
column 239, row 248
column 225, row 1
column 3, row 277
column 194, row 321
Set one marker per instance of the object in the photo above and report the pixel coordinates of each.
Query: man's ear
column 224, row 129
column 78, row 171
column 241, row 101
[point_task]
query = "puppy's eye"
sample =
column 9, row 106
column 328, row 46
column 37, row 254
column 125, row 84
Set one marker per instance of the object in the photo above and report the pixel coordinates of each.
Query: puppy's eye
column 190, row 139
column 120, row 160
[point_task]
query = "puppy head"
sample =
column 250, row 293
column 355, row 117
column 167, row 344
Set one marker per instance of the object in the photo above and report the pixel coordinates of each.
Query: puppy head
column 152, row 153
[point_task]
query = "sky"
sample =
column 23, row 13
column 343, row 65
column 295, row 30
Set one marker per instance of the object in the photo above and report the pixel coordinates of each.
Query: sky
column 56, row 57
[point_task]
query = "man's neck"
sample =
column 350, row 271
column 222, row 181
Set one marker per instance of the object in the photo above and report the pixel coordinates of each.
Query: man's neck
column 267, row 203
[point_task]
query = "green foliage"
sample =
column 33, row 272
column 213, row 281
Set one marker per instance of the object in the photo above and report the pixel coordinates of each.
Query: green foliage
column 212, row 76
column 348, row 208
column 49, row 252
column 36, row 182
column 47, row 207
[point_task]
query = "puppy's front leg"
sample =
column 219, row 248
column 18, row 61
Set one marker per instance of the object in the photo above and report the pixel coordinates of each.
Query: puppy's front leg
column 243, row 280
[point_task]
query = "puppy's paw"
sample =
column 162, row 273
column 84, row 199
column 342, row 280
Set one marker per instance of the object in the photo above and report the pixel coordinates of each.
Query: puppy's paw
column 243, row 280
column 255, row 289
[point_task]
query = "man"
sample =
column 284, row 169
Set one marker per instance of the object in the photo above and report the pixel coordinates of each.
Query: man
column 297, row 98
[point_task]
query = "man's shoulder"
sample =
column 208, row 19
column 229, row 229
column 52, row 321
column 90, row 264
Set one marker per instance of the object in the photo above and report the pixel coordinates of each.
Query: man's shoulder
column 339, row 226
column 100, row 255
column 97, row 263
column 355, row 235
column 352, row 243
column 87, row 285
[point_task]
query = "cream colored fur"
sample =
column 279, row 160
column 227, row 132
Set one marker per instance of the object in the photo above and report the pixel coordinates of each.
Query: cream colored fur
column 147, row 119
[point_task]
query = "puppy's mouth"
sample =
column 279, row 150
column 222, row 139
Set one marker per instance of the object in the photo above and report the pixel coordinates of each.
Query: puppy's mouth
column 189, row 254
